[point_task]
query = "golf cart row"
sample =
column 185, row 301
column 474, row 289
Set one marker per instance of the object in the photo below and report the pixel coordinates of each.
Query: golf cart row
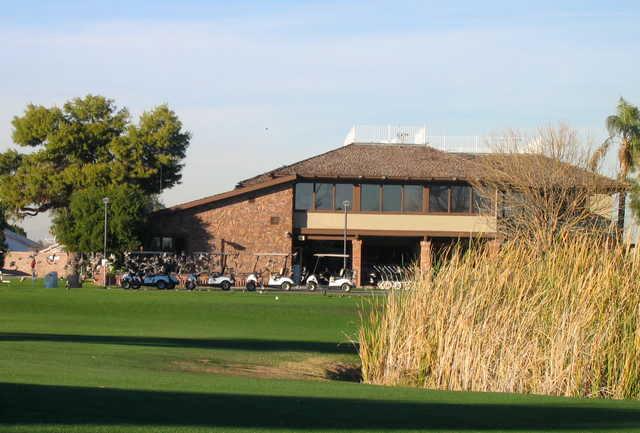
column 281, row 279
column 345, row 279
column 155, row 270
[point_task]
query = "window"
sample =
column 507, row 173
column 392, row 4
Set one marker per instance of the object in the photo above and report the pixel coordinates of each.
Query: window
column 304, row 196
column 324, row 196
column 156, row 244
column 460, row 198
column 275, row 220
column 162, row 244
column 391, row 198
column 438, row 198
column 513, row 204
column 327, row 196
column 370, row 197
column 344, row 191
column 412, row 198
column 481, row 204
column 167, row 244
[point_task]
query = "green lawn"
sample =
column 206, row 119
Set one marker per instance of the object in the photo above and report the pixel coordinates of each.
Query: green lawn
column 96, row 360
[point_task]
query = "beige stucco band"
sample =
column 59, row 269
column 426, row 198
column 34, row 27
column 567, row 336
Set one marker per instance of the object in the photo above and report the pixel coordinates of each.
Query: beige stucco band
column 407, row 222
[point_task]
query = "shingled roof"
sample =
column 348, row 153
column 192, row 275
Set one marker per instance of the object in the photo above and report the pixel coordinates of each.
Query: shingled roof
column 384, row 161
column 408, row 162
column 375, row 161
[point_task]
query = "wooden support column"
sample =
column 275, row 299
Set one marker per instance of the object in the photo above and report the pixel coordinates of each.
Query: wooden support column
column 356, row 260
column 425, row 256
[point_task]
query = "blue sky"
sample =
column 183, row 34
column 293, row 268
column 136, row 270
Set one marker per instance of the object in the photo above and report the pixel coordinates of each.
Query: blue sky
column 260, row 84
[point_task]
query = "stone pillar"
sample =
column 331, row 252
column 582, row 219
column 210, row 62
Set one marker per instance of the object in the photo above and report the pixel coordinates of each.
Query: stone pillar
column 425, row 256
column 356, row 260
column 494, row 245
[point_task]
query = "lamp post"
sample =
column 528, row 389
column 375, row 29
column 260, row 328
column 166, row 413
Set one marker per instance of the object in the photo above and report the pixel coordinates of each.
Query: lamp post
column 105, row 200
column 345, row 205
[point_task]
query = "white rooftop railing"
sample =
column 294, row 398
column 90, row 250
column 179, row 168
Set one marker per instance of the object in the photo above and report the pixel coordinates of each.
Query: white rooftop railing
column 460, row 143
column 389, row 134
column 417, row 135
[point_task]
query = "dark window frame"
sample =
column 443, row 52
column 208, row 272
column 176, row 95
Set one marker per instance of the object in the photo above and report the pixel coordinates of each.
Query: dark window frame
column 338, row 206
column 332, row 194
column 313, row 197
column 448, row 193
column 377, row 185
column 425, row 205
column 477, row 197
column 400, row 206
column 469, row 206
column 420, row 188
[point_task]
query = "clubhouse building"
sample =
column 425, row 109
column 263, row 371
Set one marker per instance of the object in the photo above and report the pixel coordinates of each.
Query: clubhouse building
column 406, row 203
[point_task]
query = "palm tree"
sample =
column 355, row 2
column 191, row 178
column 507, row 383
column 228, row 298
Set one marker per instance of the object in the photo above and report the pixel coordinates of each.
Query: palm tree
column 624, row 128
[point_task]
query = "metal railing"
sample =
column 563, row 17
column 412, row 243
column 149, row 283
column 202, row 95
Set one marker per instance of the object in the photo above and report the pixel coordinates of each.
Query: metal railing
column 417, row 135
column 389, row 134
column 460, row 143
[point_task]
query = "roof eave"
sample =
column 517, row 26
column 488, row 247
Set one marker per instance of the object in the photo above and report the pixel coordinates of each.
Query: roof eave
column 228, row 194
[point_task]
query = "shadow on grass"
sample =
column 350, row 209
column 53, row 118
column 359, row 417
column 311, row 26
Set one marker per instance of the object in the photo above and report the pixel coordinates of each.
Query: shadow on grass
column 41, row 404
column 192, row 343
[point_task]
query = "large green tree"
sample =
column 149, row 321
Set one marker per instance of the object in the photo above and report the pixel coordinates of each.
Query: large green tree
column 80, row 227
column 88, row 144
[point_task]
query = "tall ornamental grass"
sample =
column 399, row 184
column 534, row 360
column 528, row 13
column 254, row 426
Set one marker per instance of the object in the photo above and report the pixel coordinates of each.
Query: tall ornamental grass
column 560, row 321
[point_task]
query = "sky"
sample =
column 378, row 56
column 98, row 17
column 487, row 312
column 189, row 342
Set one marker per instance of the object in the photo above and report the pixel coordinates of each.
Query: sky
column 261, row 84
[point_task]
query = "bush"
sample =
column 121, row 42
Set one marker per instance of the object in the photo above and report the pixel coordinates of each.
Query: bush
column 563, row 320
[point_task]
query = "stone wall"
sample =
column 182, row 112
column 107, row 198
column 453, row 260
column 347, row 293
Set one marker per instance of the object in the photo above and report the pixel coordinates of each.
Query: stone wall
column 256, row 222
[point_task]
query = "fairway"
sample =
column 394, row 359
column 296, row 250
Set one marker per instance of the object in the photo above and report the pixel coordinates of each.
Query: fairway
column 96, row 360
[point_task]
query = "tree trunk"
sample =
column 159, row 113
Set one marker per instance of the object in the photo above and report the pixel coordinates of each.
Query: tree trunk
column 73, row 278
column 622, row 204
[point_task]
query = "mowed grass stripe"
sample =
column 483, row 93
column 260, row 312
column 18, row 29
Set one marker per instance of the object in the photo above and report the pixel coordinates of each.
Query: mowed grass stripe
column 186, row 314
column 112, row 361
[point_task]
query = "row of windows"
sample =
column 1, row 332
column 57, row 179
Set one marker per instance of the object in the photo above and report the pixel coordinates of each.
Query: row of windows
column 162, row 244
column 458, row 199
column 323, row 196
column 391, row 198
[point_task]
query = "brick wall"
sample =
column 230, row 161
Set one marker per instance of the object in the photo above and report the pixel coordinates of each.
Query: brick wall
column 259, row 221
column 46, row 261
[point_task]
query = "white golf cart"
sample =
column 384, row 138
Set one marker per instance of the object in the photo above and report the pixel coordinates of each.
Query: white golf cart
column 223, row 279
column 277, row 280
column 344, row 280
